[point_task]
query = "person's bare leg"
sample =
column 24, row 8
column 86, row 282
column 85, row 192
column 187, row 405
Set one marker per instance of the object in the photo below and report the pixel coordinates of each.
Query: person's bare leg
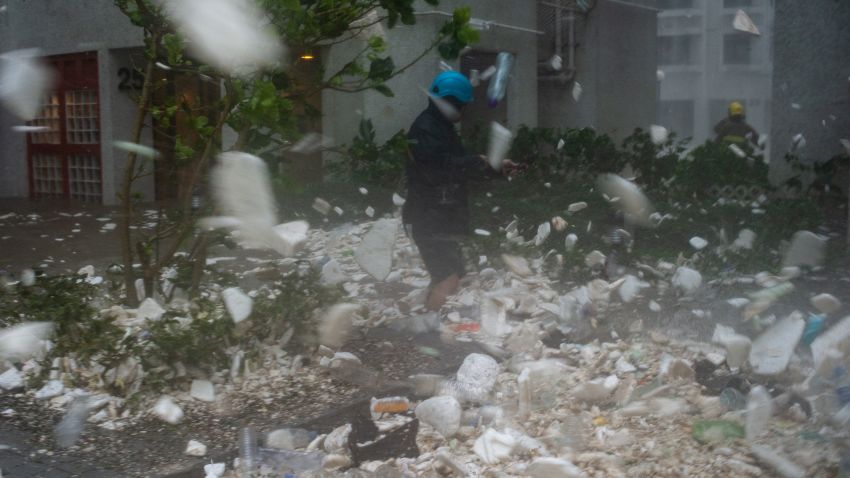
column 440, row 292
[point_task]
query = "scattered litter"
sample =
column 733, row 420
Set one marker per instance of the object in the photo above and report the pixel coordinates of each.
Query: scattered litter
column 499, row 144
column 310, row 143
column 698, row 243
column 658, row 134
column 321, row 206
column 806, row 249
column 24, row 79
column 577, row 206
column 230, row 35
column 168, row 411
column 23, row 341
column 772, row 350
column 632, row 200
column 137, row 149
column 744, row 23
column 238, row 304
column 577, row 90
column 737, row 150
column 195, row 448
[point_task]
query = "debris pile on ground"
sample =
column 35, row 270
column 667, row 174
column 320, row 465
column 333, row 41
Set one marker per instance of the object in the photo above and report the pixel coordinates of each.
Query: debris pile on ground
column 556, row 391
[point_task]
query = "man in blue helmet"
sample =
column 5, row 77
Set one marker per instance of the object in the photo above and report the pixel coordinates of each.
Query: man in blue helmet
column 438, row 168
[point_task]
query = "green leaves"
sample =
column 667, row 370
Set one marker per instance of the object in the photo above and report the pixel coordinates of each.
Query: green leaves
column 381, row 69
column 458, row 34
column 173, row 45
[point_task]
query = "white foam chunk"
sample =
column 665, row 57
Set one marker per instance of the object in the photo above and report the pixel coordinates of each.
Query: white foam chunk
column 195, row 448
column 375, row 252
column 203, row 390
column 835, row 338
column 698, row 243
column 167, row 410
column 806, row 249
column 772, row 350
column 443, row 413
column 238, row 304
column 687, row 280
column 336, row 324
column 493, row 447
column 21, row 342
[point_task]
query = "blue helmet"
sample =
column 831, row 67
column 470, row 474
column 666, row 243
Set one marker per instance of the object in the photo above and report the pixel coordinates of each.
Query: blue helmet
column 452, row 83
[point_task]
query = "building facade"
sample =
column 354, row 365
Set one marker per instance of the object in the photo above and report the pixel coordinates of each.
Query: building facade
column 96, row 53
column 707, row 64
column 811, row 82
column 91, row 46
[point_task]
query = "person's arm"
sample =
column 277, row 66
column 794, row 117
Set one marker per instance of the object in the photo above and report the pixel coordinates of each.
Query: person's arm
column 754, row 136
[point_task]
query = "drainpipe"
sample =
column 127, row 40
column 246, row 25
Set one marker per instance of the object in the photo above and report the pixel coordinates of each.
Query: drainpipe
column 481, row 24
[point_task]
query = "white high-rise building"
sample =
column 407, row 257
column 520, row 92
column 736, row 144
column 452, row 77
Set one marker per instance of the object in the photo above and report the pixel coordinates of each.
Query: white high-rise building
column 707, row 64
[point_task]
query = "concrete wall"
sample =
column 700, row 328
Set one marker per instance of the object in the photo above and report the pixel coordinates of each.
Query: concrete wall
column 342, row 111
column 811, row 67
column 118, row 112
column 615, row 63
column 61, row 27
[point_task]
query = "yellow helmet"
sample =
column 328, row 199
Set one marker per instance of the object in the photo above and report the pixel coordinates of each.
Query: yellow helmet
column 736, row 109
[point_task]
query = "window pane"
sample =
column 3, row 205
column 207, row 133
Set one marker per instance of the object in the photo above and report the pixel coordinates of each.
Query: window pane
column 677, row 116
column 737, row 49
column 677, row 50
column 670, row 4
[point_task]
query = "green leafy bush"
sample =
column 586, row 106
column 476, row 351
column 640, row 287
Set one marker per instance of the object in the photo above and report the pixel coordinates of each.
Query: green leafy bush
column 66, row 301
column 371, row 163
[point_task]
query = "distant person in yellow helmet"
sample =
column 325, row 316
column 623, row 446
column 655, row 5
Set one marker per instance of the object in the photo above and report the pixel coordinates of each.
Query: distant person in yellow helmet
column 734, row 128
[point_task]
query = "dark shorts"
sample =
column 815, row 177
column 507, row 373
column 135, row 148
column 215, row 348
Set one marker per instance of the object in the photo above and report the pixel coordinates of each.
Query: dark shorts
column 441, row 253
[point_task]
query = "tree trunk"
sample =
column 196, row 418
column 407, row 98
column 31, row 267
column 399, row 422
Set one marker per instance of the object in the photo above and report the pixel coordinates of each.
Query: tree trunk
column 129, row 176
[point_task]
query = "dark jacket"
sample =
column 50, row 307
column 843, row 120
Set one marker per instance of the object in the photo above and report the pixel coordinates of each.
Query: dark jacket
column 735, row 129
column 438, row 168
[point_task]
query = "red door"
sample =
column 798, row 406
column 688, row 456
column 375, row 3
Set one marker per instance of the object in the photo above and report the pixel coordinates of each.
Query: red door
column 64, row 160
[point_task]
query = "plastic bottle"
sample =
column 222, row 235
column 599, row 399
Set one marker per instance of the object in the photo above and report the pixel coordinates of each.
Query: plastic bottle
column 248, row 451
column 813, row 327
column 499, row 83
column 759, row 410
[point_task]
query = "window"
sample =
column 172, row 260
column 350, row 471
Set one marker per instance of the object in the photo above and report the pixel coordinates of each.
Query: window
column 737, row 49
column 673, row 4
column 677, row 116
column 64, row 158
column 737, row 3
column 677, row 50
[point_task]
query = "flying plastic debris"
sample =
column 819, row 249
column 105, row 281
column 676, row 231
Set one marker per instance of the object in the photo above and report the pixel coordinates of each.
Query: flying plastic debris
column 23, row 81
column 744, row 23
column 231, row 35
